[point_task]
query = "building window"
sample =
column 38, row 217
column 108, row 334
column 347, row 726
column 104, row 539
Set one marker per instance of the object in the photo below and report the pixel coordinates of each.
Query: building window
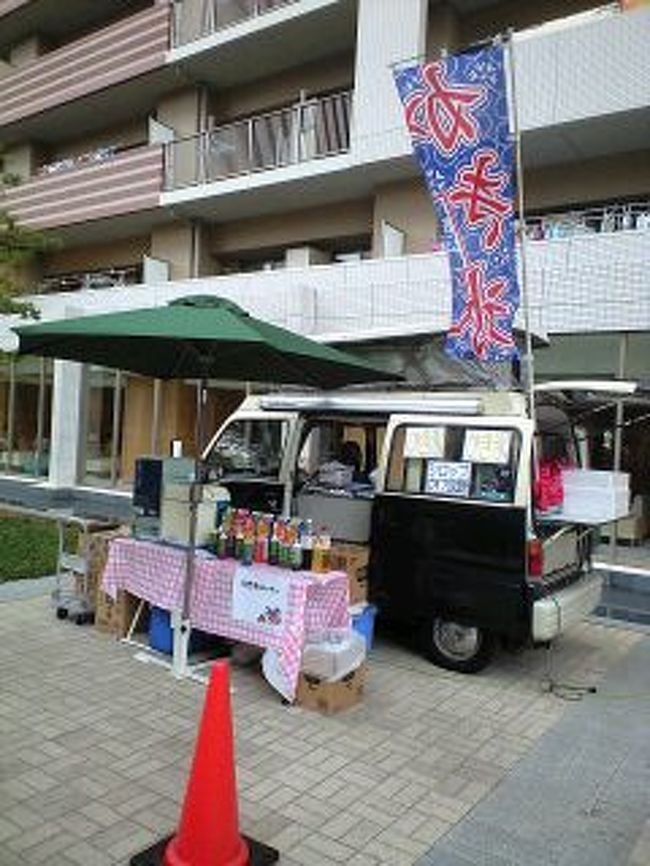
column 103, row 428
column 25, row 415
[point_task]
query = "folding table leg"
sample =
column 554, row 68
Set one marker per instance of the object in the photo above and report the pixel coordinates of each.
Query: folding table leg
column 181, row 630
column 136, row 619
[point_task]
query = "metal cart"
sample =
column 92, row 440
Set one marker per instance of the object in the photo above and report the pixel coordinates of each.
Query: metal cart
column 73, row 595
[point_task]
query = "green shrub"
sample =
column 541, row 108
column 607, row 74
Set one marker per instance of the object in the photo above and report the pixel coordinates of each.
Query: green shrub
column 28, row 547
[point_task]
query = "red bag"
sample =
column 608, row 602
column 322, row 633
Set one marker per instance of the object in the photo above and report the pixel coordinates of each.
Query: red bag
column 549, row 491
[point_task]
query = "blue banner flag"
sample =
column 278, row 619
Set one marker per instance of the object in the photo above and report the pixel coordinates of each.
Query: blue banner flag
column 456, row 111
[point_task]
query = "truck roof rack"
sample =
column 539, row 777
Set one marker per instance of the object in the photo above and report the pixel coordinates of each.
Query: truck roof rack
column 371, row 404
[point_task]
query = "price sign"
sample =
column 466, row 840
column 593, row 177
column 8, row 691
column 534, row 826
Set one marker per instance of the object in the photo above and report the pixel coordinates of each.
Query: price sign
column 424, row 442
column 448, row 479
column 259, row 598
column 487, row 446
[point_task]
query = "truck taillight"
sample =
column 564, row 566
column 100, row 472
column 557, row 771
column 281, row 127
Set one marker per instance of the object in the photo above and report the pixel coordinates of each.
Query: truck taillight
column 535, row 559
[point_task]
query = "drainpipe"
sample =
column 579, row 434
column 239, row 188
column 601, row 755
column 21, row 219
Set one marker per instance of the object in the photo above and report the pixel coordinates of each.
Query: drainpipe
column 618, row 435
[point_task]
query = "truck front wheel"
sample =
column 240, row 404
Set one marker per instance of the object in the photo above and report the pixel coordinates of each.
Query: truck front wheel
column 462, row 648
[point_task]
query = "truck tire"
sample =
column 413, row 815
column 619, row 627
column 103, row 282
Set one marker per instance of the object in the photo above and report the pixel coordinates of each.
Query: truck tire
column 457, row 647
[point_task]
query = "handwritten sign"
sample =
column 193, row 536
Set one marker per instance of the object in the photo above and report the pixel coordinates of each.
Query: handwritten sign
column 487, row 446
column 259, row 598
column 424, row 442
column 448, row 479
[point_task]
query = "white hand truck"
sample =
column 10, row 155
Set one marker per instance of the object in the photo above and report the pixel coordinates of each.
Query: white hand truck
column 73, row 595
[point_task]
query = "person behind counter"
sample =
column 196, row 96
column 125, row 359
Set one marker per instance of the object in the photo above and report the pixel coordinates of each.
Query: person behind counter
column 350, row 455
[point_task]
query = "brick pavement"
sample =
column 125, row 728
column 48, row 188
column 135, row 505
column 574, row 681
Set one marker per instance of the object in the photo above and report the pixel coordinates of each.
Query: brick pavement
column 580, row 797
column 95, row 746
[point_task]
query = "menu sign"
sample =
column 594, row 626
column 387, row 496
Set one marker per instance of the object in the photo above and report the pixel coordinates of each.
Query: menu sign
column 448, row 479
column 487, row 446
column 259, row 598
column 422, row 442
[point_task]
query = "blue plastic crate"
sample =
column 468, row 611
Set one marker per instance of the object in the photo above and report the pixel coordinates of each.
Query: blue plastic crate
column 161, row 633
column 363, row 621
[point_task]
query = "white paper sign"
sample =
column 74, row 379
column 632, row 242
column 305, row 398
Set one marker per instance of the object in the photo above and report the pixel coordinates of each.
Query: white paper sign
column 424, row 442
column 448, row 479
column 487, row 446
column 259, row 598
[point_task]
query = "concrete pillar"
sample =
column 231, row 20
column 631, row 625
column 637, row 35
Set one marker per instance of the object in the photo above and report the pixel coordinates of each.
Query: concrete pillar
column 173, row 243
column 68, row 423
column 21, row 160
column 27, row 51
column 387, row 33
column 443, row 30
column 303, row 257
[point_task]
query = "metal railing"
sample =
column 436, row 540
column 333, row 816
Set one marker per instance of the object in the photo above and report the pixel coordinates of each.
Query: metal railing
column 194, row 19
column 308, row 130
column 624, row 216
column 121, row 275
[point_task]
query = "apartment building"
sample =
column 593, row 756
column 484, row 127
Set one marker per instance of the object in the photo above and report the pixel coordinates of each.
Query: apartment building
column 255, row 149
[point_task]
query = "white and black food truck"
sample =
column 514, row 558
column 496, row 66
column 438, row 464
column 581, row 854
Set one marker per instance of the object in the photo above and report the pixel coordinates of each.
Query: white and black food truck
column 439, row 484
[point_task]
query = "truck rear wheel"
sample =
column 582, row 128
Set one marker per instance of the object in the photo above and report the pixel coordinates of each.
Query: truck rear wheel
column 457, row 647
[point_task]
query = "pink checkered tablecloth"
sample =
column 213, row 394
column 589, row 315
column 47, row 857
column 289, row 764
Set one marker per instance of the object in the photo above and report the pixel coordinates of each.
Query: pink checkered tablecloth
column 156, row 573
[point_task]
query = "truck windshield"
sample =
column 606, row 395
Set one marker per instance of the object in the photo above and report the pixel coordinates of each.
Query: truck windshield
column 249, row 448
column 454, row 462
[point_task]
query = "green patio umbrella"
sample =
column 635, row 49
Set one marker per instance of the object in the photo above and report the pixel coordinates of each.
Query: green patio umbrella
column 197, row 337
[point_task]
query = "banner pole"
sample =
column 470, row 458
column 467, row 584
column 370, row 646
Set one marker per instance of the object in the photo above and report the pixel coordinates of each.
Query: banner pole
column 521, row 231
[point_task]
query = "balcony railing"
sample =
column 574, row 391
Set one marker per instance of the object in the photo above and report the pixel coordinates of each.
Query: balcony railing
column 123, row 183
column 104, row 278
column 115, row 53
column 309, row 130
column 628, row 216
column 194, row 19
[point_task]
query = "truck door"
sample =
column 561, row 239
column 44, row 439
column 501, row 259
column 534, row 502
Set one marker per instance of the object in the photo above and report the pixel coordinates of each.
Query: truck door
column 450, row 522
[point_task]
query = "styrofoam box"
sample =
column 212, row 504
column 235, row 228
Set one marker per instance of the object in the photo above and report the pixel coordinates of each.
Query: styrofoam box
column 595, row 504
column 595, row 478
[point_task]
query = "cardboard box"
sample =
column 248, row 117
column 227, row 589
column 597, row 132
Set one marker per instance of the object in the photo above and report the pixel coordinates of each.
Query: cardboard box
column 354, row 560
column 331, row 697
column 94, row 547
column 115, row 617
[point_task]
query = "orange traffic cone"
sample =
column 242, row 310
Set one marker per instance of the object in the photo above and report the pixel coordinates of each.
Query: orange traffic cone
column 208, row 834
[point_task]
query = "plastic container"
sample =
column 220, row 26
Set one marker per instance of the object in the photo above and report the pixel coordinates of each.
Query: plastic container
column 161, row 633
column 363, row 622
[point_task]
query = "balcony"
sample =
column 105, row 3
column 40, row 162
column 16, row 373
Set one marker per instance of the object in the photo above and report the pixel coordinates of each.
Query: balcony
column 195, row 19
column 583, row 67
column 114, row 54
column 228, row 43
column 577, row 77
column 307, row 131
column 105, row 184
column 589, row 283
column 583, row 88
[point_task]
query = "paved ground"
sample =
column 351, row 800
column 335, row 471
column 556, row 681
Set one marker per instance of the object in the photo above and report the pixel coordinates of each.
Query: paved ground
column 94, row 748
column 579, row 796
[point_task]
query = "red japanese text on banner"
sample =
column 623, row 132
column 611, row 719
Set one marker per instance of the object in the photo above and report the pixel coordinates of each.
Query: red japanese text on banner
column 456, row 110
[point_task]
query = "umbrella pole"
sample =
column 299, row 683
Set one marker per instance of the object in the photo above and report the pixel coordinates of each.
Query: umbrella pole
column 182, row 627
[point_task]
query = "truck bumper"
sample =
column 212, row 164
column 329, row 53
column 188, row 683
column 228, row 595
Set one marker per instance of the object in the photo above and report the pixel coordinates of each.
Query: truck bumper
column 562, row 609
